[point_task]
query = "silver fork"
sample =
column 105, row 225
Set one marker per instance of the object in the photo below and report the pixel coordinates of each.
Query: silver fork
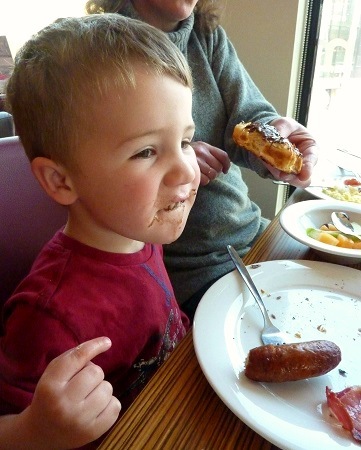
column 270, row 333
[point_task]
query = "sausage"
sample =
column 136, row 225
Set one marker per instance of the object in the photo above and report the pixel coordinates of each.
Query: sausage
column 292, row 362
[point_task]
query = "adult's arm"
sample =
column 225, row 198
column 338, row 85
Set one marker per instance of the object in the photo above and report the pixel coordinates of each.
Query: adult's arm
column 244, row 102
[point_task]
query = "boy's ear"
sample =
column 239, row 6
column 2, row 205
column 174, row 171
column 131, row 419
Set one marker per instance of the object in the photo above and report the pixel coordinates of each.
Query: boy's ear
column 54, row 179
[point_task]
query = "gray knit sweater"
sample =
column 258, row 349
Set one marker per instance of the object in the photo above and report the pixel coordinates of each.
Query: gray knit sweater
column 224, row 95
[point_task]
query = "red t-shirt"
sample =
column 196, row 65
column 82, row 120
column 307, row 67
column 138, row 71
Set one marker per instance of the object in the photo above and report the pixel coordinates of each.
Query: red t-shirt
column 75, row 293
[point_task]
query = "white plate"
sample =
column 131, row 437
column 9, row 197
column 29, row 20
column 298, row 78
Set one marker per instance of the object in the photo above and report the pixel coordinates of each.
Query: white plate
column 331, row 169
column 345, row 160
column 296, row 218
column 329, row 182
column 305, row 297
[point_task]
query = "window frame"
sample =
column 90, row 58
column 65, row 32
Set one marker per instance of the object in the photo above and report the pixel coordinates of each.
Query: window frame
column 308, row 60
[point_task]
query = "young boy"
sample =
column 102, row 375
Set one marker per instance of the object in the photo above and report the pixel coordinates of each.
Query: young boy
column 224, row 95
column 102, row 105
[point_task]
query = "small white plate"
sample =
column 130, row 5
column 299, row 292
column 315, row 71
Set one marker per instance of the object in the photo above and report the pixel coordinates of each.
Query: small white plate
column 296, row 218
column 346, row 160
column 337, row 181
column 319, row 301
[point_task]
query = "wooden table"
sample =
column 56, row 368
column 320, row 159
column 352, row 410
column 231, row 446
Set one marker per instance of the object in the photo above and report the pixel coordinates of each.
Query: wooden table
column 178, row 410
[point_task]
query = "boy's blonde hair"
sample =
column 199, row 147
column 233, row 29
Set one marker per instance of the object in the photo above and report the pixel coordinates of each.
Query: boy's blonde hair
column 62, row 71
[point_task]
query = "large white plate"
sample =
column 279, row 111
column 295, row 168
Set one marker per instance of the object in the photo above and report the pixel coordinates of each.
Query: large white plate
column 315, row 299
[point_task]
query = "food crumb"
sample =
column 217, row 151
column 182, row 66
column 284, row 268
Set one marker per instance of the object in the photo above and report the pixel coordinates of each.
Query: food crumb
column 255, row 266
column 298, row 335
column 273, row 316
column 321, row 328
column 342, row 372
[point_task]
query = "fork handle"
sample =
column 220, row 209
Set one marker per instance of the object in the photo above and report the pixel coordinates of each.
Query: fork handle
column 242, row 269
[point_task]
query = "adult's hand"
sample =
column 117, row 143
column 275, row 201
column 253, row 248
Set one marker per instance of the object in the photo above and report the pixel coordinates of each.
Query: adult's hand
column 211, row 160
column 306, row 144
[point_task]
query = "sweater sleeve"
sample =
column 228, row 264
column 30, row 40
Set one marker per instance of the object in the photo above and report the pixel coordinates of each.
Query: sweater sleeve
column 242, row 99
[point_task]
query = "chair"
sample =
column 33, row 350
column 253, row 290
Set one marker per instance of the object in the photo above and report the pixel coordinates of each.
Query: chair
column 28, row 217
column 6, row 124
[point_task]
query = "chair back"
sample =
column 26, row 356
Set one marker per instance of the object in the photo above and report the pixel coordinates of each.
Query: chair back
column 6, row 125
column 28, row 217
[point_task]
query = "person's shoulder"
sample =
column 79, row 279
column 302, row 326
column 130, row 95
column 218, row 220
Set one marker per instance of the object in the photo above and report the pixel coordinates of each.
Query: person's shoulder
column 211, row 40
column 45, row 274
column 216, row 32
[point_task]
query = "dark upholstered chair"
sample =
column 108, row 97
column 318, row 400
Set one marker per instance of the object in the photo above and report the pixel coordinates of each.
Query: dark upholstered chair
column 28, row 217
column 6, row 124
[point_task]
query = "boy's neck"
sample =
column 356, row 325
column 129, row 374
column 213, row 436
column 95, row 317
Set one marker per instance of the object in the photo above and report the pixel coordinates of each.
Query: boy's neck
column 112, row 243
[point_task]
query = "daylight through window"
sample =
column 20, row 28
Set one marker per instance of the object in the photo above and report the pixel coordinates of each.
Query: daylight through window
column 334, row 114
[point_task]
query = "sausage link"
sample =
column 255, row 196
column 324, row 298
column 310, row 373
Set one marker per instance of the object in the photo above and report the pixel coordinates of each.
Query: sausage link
column 292, row 362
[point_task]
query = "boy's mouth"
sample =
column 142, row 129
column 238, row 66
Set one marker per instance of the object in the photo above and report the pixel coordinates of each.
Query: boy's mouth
column 172, row 207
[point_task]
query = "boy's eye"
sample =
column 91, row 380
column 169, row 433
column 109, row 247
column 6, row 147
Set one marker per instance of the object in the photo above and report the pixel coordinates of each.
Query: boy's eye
column 185, row 144
column 146, row 153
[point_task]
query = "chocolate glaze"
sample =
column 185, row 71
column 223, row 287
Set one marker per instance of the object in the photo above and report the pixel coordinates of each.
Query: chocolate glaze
column 268, row 131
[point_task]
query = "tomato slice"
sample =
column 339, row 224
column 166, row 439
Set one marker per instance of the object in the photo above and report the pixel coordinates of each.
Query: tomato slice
column 352, row 182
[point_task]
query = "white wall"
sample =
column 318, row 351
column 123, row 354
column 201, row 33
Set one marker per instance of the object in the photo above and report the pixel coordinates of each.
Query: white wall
column 265, row 34
column 21, row 18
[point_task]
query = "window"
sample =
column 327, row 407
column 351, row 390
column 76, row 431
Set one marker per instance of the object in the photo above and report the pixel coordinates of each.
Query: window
column 16, row 29
column 330, row 94
column 20, row 19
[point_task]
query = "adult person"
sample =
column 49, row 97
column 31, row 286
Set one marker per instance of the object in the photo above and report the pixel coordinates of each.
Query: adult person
column 96, row 316
column 223, row 95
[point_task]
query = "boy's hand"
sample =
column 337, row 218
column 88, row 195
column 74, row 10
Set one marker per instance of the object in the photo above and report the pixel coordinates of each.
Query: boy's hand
column 306, row 144
column 211, row 160
column 72, row 404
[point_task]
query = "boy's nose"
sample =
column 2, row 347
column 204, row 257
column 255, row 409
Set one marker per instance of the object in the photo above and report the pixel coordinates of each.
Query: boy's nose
column 181, row 171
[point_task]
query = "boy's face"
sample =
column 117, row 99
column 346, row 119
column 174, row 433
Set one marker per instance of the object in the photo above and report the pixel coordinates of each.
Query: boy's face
column 138, row 174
